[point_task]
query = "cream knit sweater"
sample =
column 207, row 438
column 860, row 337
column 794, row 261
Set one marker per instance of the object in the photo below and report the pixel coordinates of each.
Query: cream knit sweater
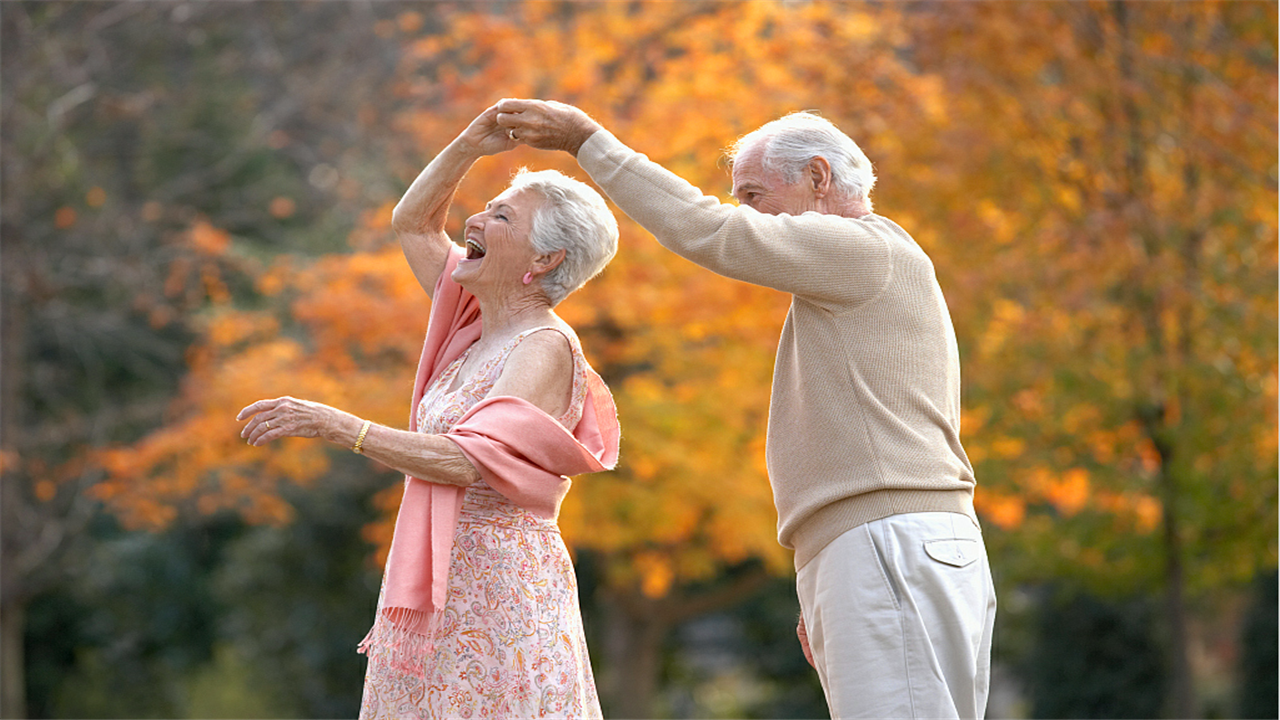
column 864, row 420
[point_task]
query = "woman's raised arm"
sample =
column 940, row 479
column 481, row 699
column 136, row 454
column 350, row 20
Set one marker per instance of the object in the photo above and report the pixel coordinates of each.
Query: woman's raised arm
column 420, row 216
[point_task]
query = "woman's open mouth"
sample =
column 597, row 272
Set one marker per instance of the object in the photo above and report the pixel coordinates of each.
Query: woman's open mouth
column 474, row 250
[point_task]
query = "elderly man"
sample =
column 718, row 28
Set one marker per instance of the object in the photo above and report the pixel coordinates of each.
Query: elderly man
column 873, row 490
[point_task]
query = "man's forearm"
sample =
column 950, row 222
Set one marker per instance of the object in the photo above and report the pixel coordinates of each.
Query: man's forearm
column 824, row 258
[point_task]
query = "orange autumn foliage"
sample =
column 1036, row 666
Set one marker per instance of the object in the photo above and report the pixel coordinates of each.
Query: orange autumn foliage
column 1097, row 190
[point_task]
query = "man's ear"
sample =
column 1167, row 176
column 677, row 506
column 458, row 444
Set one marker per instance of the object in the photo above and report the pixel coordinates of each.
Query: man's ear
column 820, row 176
column 547, row 262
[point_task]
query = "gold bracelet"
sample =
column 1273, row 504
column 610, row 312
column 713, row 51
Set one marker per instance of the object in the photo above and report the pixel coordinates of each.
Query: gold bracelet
column 358, row 448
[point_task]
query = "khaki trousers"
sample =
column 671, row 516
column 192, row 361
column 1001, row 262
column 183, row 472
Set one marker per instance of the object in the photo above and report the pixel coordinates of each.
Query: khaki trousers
column 899, row 614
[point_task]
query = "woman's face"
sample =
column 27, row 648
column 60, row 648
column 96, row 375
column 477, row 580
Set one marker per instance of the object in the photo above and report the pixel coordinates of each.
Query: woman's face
column 499, row 252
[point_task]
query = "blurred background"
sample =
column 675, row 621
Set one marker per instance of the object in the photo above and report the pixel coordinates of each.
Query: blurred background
column 194, row 212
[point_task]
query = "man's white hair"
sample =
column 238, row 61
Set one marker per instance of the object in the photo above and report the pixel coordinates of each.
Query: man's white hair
column 574, row 218
column 791, row 141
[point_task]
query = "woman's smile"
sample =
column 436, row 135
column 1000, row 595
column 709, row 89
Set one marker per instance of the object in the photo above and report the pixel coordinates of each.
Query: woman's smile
column 501, row 231
column 475, row 251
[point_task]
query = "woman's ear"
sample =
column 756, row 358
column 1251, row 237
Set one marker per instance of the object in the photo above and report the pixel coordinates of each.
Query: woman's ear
column 547, row 262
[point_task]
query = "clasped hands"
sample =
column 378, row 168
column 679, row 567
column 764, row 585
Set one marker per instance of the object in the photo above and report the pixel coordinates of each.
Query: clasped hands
column 540, row 124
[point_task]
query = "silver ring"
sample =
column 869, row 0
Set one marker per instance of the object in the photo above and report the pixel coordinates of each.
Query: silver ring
column 512, row 135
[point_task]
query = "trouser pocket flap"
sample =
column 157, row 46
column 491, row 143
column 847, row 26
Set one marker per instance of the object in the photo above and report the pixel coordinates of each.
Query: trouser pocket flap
column 953, row 551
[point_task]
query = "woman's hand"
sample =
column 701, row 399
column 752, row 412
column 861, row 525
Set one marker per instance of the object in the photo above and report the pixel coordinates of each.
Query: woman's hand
column 286, row 417
column 433, row 458
column 486, row 136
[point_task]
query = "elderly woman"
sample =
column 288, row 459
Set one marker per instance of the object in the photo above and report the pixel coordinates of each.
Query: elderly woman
column 478, row 614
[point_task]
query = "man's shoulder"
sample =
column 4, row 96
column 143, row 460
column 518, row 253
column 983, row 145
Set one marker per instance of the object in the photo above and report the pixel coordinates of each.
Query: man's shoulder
column 880, row 223
column 895, row 235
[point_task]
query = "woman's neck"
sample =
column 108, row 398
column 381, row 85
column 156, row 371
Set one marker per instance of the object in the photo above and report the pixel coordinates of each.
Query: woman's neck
column 502, row 320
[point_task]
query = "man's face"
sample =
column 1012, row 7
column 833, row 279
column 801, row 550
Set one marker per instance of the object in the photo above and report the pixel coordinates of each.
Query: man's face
column 766, row 190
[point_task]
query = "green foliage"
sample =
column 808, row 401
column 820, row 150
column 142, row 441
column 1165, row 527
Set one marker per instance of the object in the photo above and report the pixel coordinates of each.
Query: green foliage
column 128, row 130
column 1259, row 636
column 744, row 661
column 299, row 598
column 141, row 617
column 228, row 687
column 216, row 619
column 1095, row 658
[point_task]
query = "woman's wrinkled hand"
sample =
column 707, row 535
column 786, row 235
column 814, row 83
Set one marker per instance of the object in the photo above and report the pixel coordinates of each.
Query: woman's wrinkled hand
column 284, row 417
column 486, row 136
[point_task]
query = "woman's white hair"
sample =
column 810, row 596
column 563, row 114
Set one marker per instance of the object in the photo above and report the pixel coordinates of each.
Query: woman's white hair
column 791, row 141
column 574, row 218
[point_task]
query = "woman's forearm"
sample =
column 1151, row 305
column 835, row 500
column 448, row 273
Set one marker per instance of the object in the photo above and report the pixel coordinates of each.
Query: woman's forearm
column 433, row 458
column 419, row 218
column 424, row 208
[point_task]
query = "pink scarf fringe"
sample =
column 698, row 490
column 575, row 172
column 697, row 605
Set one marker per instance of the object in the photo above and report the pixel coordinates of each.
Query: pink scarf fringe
column 402, row 638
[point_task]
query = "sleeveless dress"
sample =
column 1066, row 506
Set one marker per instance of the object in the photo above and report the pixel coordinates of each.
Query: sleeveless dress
column 510, row 642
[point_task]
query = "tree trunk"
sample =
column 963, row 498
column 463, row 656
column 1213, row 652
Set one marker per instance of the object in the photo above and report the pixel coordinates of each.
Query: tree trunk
column 637, row 627
column 1181, row 698
column 13, row 695
column 14, row 589
column 1155, row 416
column 633, row 647
column 13, row 703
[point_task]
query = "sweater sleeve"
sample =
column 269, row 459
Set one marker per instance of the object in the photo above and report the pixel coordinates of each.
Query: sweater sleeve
column 832, row 260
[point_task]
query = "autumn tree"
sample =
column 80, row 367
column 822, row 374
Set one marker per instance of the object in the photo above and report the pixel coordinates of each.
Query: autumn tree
column 1117, row 286
column 138, row 139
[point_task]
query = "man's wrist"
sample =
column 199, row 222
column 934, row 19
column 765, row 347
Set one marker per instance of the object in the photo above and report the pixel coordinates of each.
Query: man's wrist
column 582, row 135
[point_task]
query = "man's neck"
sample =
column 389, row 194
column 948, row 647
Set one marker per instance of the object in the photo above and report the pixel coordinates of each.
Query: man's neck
column 844, row 208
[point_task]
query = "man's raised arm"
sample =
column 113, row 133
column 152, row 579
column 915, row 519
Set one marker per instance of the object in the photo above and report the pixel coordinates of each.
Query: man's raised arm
column 829, row 259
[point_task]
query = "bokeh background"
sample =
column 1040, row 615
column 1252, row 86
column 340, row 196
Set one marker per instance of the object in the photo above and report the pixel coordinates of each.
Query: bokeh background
column 194, row 212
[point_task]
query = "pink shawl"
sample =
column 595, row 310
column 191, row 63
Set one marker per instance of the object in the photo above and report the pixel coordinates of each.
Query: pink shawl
column 519, row 450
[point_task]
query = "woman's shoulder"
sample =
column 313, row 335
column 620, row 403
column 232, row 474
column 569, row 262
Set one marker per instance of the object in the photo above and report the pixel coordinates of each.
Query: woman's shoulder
column 542, row 365
column 555, row 334
column 553, row 347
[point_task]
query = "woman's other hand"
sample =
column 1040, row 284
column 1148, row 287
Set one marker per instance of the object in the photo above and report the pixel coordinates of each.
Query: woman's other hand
column 286, row 417
column 486, row 136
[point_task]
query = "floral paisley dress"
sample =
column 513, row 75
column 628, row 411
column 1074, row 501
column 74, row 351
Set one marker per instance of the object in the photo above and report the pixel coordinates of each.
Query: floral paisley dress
column 510, row 642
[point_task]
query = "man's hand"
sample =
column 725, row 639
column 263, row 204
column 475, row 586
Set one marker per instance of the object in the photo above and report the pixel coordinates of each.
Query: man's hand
column 546, row 125
column 803, row 634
